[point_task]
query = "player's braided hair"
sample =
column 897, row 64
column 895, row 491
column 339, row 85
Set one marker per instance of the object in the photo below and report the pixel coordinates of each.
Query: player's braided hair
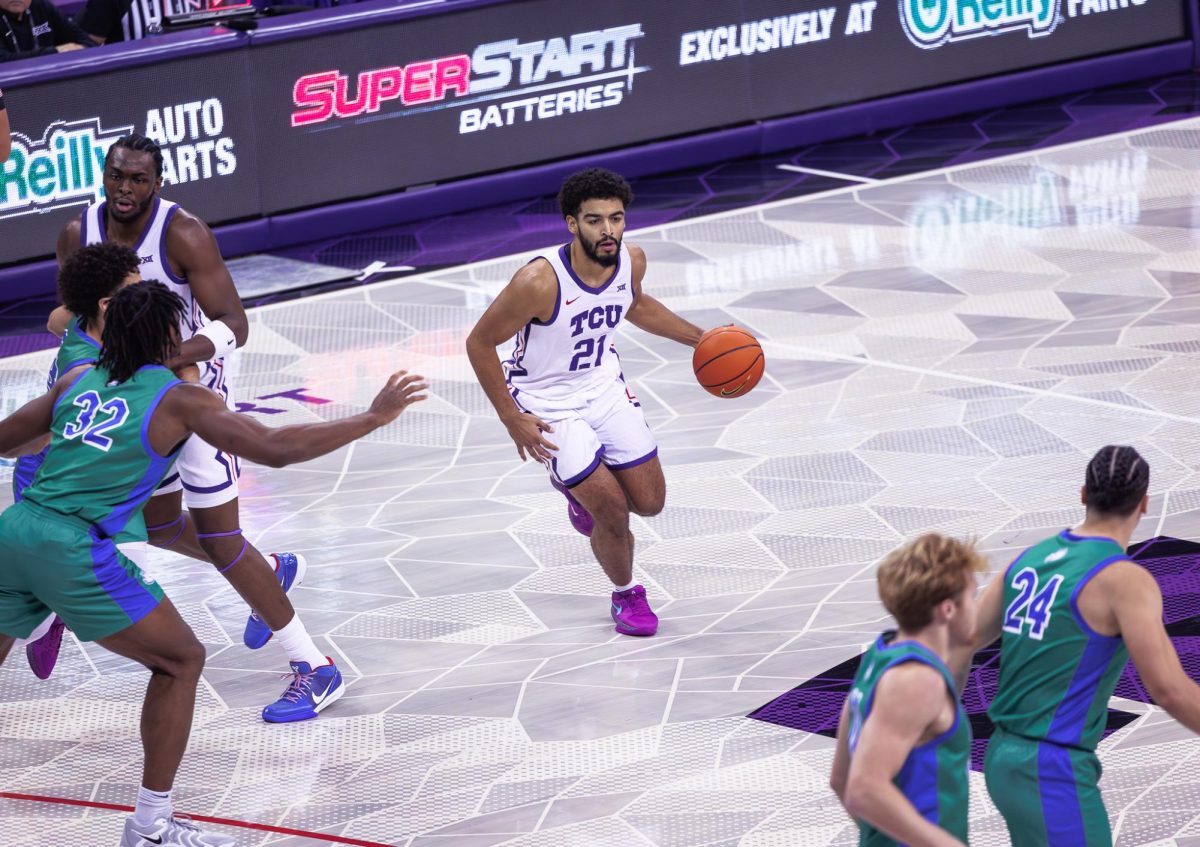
column 141, row 144
column 592, row 184
column 138, row 328
column 92, row 273
column 1117, row 480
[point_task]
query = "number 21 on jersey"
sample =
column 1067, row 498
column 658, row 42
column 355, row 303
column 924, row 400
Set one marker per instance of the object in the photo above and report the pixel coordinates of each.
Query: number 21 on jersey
column 1032, row 605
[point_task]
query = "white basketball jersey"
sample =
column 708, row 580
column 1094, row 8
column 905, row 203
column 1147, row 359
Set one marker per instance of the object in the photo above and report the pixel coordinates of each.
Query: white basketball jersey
column 152, row 251
column 565, row 360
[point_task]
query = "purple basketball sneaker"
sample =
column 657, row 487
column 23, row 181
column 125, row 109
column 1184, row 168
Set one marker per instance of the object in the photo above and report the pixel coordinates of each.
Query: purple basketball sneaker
column 632, row 612
column 581, row 519
column 42, row 654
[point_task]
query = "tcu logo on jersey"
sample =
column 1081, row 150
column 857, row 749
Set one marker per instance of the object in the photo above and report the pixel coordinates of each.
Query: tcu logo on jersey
column 589, row 351
column 597, row 317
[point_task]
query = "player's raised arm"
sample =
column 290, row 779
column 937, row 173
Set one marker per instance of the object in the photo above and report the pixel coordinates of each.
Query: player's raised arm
column 192, row 244
column 58, row 321
column 1137, row 605
column 531, row 294
column 650, row 314
column 907, row 701
column 189, row 408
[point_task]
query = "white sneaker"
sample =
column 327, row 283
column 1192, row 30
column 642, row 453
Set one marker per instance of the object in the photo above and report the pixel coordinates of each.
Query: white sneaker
column 175, row 831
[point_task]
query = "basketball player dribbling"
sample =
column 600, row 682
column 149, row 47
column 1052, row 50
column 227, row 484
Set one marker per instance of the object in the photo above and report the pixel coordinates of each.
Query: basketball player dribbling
column 563, row 396
column 178, row 248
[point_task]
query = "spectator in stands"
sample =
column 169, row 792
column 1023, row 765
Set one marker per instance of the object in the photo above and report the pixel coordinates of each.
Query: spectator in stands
column 37, row 28
column 5, row 134
column 107, row 21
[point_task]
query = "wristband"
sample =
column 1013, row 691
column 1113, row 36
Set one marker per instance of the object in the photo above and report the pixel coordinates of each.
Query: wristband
column 221, row 336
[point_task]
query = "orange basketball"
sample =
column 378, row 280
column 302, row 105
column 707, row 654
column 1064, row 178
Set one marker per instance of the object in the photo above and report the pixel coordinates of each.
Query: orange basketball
column 728, row 361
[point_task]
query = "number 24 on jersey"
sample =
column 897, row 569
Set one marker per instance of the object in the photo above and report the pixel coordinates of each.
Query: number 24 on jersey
column 1032, row 605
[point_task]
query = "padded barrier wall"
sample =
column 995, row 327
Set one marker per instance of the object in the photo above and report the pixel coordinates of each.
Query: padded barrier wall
column 311, row 125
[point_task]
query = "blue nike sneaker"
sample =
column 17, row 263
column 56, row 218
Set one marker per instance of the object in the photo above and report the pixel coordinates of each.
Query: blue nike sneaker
column 310, row 691
column 289, row 569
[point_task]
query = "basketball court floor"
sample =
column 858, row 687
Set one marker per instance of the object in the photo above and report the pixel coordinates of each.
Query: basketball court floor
column 944, row 351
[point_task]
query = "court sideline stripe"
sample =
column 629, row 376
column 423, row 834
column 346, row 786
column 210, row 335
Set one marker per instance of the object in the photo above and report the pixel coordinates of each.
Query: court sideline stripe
column 797, row 169
column 261, row 827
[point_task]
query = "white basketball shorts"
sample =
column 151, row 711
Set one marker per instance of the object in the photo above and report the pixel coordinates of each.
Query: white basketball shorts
column 208, row 476
column 610, row 429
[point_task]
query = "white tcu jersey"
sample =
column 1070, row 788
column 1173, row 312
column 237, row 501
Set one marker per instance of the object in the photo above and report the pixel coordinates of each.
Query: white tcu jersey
column 152, row 251
column 571, row 357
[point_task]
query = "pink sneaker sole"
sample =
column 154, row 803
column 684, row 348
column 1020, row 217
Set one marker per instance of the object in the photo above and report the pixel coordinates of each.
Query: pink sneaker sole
column 642, row 631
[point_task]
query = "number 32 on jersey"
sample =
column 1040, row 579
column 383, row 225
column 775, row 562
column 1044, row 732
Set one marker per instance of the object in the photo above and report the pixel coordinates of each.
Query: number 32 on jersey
column 95, row 418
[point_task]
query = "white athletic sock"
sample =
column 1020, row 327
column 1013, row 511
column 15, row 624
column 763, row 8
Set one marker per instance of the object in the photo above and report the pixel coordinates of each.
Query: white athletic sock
column 151, row 806
column 631, row 584
column 298, row 645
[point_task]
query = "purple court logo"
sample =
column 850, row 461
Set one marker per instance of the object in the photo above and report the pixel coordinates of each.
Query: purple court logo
column 300, row 395
column 816, row 705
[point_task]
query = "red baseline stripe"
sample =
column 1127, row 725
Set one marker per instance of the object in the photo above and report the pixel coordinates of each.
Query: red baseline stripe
column 261, row 827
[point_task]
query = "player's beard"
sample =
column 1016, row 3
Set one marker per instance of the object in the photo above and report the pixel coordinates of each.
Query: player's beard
column 139, row 209
column 589, row 250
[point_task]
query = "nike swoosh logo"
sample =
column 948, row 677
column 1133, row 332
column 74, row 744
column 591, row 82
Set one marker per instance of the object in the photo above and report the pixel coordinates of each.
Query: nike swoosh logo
column 150, row 840
column 317, row 701
column 617, row 609
column 569, row 302
column 726, row 393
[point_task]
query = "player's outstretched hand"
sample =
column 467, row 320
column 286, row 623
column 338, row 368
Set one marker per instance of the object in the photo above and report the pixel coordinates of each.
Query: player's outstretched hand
column 526, row 432
column 401, row 391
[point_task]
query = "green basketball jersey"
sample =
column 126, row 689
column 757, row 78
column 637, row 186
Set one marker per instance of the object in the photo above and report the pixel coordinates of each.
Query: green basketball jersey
column 1056, row 673
column 934, row 776
column 100, row 466
column 76, row 348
